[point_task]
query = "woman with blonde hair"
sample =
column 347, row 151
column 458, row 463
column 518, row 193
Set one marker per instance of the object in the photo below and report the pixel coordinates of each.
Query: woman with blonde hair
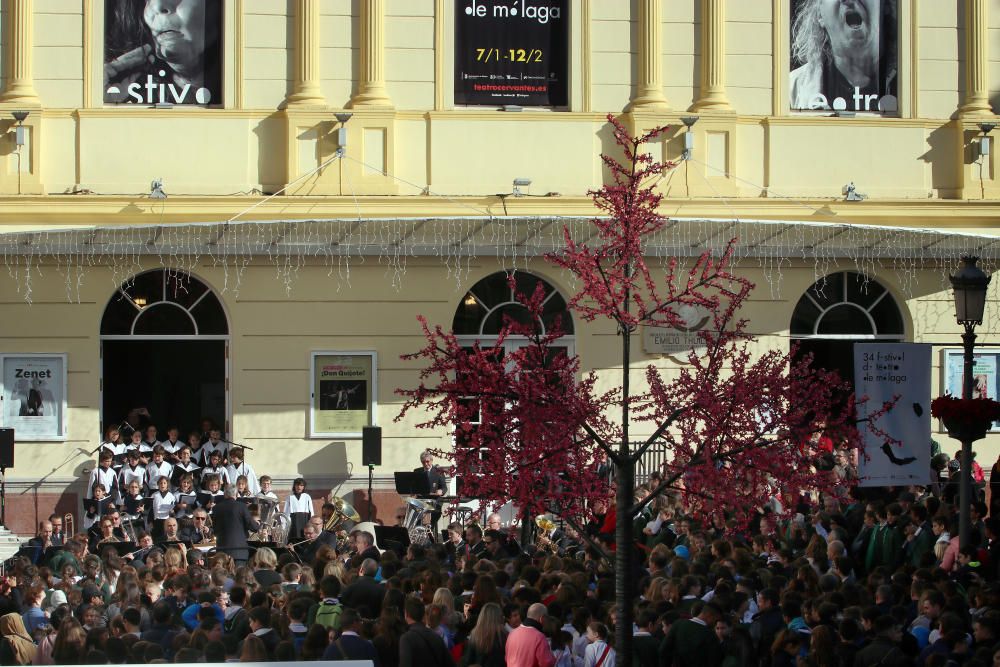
column 173, row 560
column 263, row 563
column 486, row 645
column 335, row 568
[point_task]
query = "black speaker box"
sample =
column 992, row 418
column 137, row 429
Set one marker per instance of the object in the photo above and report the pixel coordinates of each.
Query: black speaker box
column 6, row 448
column 371, row 446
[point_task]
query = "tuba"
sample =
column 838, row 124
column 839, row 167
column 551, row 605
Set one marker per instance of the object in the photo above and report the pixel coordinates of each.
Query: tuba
column 545, row 526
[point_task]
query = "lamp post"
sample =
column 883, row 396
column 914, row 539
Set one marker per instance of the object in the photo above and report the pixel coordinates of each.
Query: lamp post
column 969, row 285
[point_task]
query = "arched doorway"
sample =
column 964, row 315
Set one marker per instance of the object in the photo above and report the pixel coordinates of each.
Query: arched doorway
column 479, row 317
column 840, row 310
column 165, row 347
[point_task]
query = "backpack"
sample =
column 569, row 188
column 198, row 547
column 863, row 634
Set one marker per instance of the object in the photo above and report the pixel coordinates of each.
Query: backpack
column 328, row 614
column 230, row 623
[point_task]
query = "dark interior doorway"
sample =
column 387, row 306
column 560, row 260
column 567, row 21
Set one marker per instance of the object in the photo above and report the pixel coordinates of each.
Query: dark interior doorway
column 178, row 381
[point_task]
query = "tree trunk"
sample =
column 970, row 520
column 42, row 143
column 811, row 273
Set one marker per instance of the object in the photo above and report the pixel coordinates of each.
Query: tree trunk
column 624, row 571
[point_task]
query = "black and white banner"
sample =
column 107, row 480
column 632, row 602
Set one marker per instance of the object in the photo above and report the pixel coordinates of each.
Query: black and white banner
column 882, row 372
column 844, row 56
column 163, row 53
column 511, row 52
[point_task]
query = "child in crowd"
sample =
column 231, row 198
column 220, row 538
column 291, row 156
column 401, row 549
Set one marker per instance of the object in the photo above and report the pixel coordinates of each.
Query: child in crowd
column 113, row 444
column 265, row 488
column 157, row 468
column 238, row 466
column 298, row 509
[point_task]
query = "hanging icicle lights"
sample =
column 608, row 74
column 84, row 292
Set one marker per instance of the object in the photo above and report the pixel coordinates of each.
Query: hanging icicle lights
column 291, row 245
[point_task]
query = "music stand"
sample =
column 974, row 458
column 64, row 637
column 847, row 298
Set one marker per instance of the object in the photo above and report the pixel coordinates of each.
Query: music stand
column 412, row 483
column 396, row 538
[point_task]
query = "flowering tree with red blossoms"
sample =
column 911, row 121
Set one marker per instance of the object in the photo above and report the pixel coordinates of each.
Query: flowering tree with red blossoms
column 736, row 425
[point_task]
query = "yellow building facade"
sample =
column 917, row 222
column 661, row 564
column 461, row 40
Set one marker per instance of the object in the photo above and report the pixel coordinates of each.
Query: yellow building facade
column 318, row 234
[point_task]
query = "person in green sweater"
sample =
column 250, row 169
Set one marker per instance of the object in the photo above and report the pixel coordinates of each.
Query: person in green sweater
column 693, row 642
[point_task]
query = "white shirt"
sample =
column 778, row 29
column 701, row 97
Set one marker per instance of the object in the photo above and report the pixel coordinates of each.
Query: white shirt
column 213, row 470
column 172, row 447
column 129, row 474
column 109, row 478
column 154, row 472
column 303, row 503
column 594, row 653
column 244, row 469
column 208, row 448
column 116, row 449
column 163, row 504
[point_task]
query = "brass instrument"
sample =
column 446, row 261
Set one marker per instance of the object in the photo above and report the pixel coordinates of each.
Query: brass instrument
column 274, row 525
column 69, row 526
column 343, row 512
column 546, row 526
column 128, row 529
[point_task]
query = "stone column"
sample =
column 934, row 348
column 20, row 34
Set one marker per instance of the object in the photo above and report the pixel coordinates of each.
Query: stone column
column 713, row 57
column 371, row 84
column 306, row 88
column 20, row 86
column 649, row 88
column 977, row 98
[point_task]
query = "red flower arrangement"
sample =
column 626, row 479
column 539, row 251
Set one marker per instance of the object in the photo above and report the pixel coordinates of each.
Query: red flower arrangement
column 965, row 409
column 965, row 414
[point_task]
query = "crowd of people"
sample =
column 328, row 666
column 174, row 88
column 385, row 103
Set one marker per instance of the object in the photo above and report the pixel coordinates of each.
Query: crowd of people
column 862, row 579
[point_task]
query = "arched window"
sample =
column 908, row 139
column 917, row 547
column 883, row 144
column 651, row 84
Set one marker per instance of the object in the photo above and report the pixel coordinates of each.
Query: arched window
column 849, row 306
column 483, row 308
column 163, row 302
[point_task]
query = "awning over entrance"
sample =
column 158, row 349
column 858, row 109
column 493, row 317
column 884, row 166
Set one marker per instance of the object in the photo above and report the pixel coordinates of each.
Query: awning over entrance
column 290, row 244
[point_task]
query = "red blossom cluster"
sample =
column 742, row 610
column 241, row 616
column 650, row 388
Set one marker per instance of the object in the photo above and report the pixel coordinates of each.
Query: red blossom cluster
column 965, row 410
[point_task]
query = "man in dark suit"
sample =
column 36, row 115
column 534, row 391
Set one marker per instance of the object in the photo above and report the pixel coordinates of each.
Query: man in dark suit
column 58, row 536
column 37, row 545
column 436, row 482
column 365, row 594
column 198, row 532
column 350, row 645
column 420, row 646
column 232, row 523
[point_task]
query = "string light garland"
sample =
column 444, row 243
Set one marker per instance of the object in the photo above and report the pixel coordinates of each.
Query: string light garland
column 457, row 242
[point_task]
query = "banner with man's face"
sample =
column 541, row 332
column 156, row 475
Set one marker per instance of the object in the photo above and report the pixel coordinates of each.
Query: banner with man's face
column 844, row 56
column 163, row 53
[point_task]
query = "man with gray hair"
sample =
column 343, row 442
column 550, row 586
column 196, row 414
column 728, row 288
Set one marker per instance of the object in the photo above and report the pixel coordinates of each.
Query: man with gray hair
column 527, row 645
column 232, row 522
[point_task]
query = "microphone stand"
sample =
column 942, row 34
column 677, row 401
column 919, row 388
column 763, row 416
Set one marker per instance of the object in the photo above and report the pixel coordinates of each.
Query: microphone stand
column 371, row 502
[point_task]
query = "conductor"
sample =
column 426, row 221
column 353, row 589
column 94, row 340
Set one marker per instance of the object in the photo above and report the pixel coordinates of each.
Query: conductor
column 436, row 482
column 232, row 522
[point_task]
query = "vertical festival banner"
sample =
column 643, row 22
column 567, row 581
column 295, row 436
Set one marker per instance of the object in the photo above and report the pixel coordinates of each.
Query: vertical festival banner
column 844, row 56
column 902, row 372
column 511, row 52
column 34, row 395
column 163, row 55
column 343, row 393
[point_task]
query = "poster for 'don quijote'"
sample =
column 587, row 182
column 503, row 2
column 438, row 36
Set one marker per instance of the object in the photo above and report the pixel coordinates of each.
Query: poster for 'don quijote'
column 511, row 52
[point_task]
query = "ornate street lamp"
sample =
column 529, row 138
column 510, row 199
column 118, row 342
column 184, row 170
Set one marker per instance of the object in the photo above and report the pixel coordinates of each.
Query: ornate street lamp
column 970, row 285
